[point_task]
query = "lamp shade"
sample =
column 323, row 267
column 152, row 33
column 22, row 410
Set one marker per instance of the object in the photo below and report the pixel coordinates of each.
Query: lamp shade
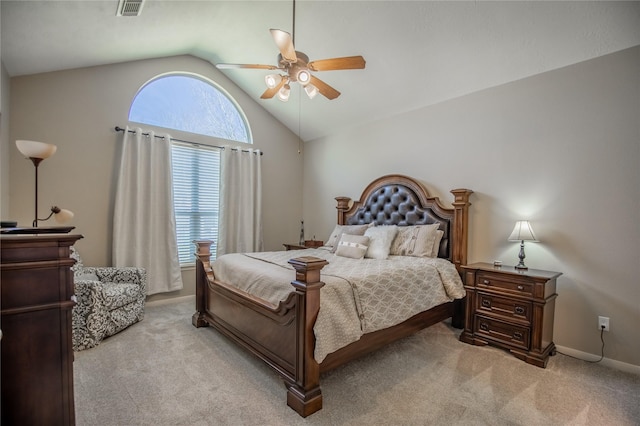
column 33, row 149
column 311, row 90
column 283, row 93
column 522, row 232
column 63, row 216
column 272, row 80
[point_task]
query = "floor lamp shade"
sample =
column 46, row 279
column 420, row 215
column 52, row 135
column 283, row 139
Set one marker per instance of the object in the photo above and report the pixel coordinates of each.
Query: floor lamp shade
column 34, row 149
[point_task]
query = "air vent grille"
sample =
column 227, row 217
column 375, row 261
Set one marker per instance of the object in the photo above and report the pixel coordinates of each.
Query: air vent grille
column 129, row 7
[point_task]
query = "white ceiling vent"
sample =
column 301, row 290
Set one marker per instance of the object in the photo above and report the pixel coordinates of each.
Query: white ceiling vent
column 129, row 7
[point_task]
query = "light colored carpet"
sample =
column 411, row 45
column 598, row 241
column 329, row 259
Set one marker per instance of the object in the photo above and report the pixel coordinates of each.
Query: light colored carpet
column 164, row 371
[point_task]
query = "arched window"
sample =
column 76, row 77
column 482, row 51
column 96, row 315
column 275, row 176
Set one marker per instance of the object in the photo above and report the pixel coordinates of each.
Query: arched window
column 196, row 105
column 191, row 104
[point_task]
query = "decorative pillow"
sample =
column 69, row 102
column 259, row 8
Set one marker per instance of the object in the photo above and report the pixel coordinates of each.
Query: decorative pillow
column 415, row 240
column 436, row 243
column 334, row 238
column 380, row 239
column 353, row 246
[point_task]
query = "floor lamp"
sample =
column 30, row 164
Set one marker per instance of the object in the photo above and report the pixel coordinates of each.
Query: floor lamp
column 36, row 152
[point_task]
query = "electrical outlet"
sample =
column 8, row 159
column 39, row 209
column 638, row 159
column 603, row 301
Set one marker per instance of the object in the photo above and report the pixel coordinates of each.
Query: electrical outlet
column 603, row 322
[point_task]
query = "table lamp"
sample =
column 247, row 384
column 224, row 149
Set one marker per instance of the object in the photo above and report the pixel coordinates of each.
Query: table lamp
column 522, row 232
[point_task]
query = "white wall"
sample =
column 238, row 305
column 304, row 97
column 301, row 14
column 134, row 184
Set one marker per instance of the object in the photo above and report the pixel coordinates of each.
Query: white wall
column 78, row 109
column 561, row 149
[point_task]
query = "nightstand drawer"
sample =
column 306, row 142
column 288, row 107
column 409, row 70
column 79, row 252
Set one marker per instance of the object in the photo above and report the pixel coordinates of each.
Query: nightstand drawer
column 511, row 309
column 509, row 334
column 500, row 282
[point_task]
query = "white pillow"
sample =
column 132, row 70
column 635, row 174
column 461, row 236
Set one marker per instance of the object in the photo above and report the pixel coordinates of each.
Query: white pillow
column 353, row 246
column 417, row 240
column 334, row 238
column 436, row 243
column 380, row 239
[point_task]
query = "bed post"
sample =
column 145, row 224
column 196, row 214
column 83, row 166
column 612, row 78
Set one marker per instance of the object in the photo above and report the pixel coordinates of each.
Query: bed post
column 460, row 236
column 342, row 207
column 460, row 226
column 305, row 396
column 203, row 273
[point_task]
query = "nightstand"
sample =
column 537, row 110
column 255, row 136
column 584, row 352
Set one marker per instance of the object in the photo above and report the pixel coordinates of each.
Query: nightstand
column 307, row 244
column 293, row 246
column 512, row 309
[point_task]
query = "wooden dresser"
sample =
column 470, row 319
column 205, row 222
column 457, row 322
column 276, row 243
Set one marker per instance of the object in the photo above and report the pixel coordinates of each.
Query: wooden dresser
column 37, row 356
column 512, row 309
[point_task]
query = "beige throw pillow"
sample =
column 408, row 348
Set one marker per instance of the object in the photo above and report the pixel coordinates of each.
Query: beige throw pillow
column 417, row 240
column 380, row 239
column 353, row 246
column 334, row 238
column 436, row 243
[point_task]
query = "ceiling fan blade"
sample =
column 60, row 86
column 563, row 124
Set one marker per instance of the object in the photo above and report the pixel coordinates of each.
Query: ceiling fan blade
column 270, row 93
column 326, row 90
column 285, row 45
column 346, row 63
column 253, row 66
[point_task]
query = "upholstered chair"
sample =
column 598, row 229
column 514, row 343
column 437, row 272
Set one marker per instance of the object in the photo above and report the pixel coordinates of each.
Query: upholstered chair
column 108, row 300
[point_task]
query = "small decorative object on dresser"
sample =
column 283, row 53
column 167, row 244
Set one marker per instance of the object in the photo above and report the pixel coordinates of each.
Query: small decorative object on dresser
column 512, row 309
column 301, row 240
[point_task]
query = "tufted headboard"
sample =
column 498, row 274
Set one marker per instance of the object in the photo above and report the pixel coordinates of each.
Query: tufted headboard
column 403, row 201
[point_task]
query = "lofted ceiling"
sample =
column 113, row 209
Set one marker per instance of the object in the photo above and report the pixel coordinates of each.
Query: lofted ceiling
column 418, row 53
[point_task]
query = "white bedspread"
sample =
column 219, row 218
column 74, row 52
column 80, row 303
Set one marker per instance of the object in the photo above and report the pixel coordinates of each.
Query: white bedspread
column 359, row 296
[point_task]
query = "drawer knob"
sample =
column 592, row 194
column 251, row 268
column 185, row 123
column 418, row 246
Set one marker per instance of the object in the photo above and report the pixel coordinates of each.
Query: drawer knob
column 520, row 287
column 519, row 310
column 517, row 335
column 486, row 303
column 484, row 326
column 487, row 282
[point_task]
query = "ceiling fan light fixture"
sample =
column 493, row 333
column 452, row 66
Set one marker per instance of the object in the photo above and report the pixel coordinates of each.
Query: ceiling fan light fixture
column 284, row 92
column 311, row 90
column 303, row 77
column 272, row 80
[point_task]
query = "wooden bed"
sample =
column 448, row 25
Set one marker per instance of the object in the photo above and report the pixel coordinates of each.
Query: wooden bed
column 283, row 336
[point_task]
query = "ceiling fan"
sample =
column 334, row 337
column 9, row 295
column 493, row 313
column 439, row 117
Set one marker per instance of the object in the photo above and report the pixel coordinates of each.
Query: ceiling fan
column 296, row 67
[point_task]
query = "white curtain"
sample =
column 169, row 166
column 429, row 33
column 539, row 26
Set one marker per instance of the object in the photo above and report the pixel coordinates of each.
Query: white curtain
column 240, row 226
column 144, row 226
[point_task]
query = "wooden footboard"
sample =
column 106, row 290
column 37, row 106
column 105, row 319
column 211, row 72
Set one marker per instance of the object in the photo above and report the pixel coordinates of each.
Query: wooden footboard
column 282, row 336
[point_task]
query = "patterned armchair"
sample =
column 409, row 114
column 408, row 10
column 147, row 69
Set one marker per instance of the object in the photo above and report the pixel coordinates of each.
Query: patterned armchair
column 109, row 299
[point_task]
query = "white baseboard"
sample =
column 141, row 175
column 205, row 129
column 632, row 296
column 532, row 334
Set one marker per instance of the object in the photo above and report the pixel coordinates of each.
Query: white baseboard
column 618, row 365
column 173, row 300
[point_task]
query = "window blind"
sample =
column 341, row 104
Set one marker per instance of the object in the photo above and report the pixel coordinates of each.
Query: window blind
column 196, row 193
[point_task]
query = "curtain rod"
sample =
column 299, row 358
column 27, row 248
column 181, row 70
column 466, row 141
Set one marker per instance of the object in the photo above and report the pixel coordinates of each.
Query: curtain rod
column 120, row 129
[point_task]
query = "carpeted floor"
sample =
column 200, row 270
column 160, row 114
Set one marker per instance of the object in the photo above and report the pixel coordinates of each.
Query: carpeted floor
column 164, row 371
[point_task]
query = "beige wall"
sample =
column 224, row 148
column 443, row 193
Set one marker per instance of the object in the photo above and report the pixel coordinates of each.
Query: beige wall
column 561, row 149
column 78, row 109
